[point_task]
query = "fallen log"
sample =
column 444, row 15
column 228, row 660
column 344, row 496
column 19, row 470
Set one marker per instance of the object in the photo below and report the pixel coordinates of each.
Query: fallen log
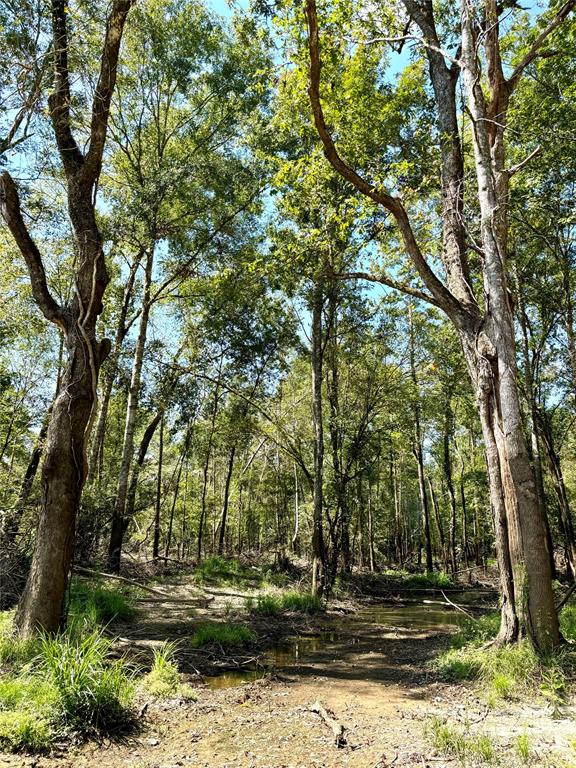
column 337, row 728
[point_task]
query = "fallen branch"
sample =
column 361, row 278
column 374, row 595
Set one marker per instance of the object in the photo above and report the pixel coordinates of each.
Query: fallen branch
column 115, row 577
column 458, row 607
column 566, row 597
column 337, row 728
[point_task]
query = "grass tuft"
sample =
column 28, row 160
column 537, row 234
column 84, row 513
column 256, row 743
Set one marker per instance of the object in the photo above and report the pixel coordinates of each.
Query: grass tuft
column 163, row 680
column 227, row 635
column 291, row 602
column 96, row 605
column 94, row 690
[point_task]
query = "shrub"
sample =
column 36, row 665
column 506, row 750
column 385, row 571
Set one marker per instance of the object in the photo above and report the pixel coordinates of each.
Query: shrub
column 227, row 635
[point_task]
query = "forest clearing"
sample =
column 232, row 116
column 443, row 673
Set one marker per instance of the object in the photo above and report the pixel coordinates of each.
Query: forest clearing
column 287, row 383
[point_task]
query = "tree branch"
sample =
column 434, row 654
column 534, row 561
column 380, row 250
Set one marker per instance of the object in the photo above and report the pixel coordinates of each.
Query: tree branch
column 59, row 99
column 388, row 281
column 440, row 292
column 12, row 215
column 534, row 51
column 105, row 88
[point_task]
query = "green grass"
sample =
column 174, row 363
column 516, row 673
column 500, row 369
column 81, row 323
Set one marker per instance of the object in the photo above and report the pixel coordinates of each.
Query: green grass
column 97, row 605
column 94, row 689
column 163, row 680
column 60, row 684
column 286, row 602
column 14, row 650
column 508, row 672
column 226, row 635
column 220, row 570
column 468, row 749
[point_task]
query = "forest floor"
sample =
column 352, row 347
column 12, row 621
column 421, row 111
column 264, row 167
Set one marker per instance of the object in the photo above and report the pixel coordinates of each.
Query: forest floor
column 373, row 677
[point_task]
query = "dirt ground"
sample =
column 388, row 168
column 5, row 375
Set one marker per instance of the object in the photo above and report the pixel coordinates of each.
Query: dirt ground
column 373, row 678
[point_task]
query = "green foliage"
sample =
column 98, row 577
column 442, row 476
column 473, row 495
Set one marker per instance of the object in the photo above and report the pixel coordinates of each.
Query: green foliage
column 436, row 579
column 98, row 605
column 13, row 649
column 94, row 690
column 24, row 730
column 522, row 747
column 69, row 681
column 292, row 601
column 226, row 635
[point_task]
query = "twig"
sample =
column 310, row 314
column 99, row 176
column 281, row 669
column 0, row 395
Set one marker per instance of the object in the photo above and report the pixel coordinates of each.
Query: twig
column 337, row 728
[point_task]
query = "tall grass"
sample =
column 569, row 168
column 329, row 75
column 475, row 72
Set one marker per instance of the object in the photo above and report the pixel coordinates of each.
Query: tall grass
column 56, row 684
column 508, row 672
column 94, row 690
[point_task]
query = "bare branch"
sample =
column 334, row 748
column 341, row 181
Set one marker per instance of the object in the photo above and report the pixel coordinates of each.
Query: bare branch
column 440, row 292
column 389, row 282
column 404, row 39
column 12, row 215
column 534, row 51
column 523, row 163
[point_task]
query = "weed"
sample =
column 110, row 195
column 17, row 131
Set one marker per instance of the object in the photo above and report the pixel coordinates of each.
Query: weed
column 163, row 680
column 522, row 747
column 459, row 743
column 21, row 729
column 227, row 635
column 433, row 580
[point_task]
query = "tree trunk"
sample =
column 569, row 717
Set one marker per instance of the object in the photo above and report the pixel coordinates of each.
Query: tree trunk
column 318, row 490
column 226, row 499
column 118, row 523
column 158, row 505
column 64, row 470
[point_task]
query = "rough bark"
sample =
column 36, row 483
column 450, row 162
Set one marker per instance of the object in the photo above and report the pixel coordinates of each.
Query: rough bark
column 64, row 469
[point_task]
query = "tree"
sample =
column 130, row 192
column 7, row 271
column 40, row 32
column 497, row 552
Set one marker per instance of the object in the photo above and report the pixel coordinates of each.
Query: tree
column 487, row 337
column 64, row 470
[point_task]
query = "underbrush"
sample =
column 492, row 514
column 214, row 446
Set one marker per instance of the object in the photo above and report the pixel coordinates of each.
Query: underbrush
column 286, row 602
column 510, row 672
column 66, row 683
column 226, row 635
column 432, row 580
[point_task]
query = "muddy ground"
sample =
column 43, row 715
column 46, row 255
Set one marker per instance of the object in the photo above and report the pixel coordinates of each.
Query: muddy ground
column 373, row 677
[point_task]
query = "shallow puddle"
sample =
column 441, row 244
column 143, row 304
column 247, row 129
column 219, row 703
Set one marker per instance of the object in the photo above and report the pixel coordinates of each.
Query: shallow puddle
column 297, row 651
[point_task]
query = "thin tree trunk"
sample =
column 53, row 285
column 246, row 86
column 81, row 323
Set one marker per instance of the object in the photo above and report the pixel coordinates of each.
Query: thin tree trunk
column 226, row 499
column 131, row 419
column 318, row 554
column 158, row 505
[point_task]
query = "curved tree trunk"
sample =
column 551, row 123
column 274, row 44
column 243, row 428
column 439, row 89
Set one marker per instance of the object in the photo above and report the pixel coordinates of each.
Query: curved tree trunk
column 64, row 469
